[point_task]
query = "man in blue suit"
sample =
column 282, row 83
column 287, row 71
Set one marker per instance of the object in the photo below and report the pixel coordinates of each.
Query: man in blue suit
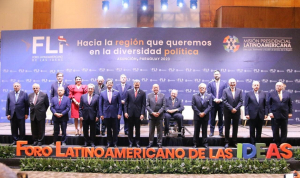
column 280, row 110
column 60, row 107
column 17, row 111
column 201, row 104
column 174, row 108
column 256, row 111
column 232, row 99
column 59, row 83
column 215, row 88
column 122, row 88
column 134, row 109
column 89, row 114
column 110, row 108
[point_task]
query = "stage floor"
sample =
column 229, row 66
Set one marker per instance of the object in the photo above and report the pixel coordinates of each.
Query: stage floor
column 243, row 131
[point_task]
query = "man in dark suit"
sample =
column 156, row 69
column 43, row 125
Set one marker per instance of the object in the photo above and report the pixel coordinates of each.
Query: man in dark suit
column 122, row 88
column 17, row 112
column 201, row 104
column 89, row 114
column 155, row 104
column 232, row 99
column 215, row 88
column 59, row 83
column 60, row 107
column 174, row 108
column 110, row 109
column 256, row 111
column 134, row 108
column 98, row 89
column 280, row 110
column 39, row 103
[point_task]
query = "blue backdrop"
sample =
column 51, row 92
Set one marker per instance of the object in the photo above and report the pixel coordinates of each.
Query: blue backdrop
column 178, row 58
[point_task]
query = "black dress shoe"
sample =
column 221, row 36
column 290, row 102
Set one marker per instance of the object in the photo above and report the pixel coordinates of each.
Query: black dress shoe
column 102, row 133
column 149, row 146
column 211, row 134
column 137, row 145
column 92, row 144
column 195, row 146
column 130, row 146
column 221, row 134
column 159, row 146
column 115, row 145
column 85, row 144
column 235, row 145
column 206, row 145
column 13, row 143
column 39, row 144
column 35, row 143
column 107, row 146
column 226, row 145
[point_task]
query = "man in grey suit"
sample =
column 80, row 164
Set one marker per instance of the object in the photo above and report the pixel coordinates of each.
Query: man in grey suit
column 155, row 105
column 232, row 99
column 39, row 103
column 98, row 89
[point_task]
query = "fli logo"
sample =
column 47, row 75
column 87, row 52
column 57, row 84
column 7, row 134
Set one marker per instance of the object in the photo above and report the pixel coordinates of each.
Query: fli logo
column 273, row 70
column 188, row 90
column 180, row 80
column 162, row 79
column 289, row 70
column 144, row 79
column 101, row 69
column 36, row 43
column 171, row 69
column 256, row 70
column 154, row 69
column 188, row 69
column 231, row 44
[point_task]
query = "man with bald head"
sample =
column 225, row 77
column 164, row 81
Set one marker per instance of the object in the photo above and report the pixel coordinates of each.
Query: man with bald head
column 232, row 99
column 256, row 111
column 39, row 103
column 280, row 110
column 17, row 112
column 155, row 105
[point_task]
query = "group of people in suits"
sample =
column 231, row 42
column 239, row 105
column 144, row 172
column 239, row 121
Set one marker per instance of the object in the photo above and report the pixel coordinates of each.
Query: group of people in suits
column 89, row 104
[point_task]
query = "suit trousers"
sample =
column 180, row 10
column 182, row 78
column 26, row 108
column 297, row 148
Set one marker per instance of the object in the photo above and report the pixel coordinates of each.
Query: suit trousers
column 17, row 128
column 216, row 108
column 103, row 126
column 235, row 118
column 255, row 124
column 112, row 130
column 177, row 117
column 38, row 130
column 197, row 125
column 89, row 124
column 134, row 122
column 125, row 121
column 158, row 124
column 63, row 126
column 280, row 124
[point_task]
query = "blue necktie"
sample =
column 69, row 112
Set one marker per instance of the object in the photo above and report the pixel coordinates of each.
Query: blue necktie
column 16, row 96
column 201, row 99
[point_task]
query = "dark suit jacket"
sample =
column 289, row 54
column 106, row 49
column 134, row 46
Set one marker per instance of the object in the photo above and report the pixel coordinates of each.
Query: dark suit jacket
column 89, row 111
column 158, row 106
column 96, row 91
column 63, row 108
column 113, row 109
column 20, row 107
column 212, row 89
column 280, row 109
column 198, row 107
column 135, row 106
column 229, row 102
column 177, row 104
column 54, row 88
column 253, row 108
column 40, row 108
column 123, row 93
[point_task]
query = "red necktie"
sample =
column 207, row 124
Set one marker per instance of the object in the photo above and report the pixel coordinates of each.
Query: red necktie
column 156, row 98
column 135, row 93
column 59, row 100
column 35, row 99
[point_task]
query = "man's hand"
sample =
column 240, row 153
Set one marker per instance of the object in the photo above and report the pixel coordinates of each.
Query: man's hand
column 202, row 114
column 247, row 117
column 233, row 111
column 119, row 117
column 290, row 115
column 56, row 114
column 142, row 117
column 155, row 114
column 266, row 116
column 8, row 117
column 123, row 101
column 126, row 115
column 97, row 119
column 81, row 118
column 271, row 115
column 26, row 116
column 102, row 117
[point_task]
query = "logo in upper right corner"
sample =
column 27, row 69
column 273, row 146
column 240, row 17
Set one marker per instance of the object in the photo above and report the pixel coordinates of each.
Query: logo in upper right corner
column 231, row 44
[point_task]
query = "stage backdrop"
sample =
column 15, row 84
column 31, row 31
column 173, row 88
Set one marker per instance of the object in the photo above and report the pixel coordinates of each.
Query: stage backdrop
column 178, row 58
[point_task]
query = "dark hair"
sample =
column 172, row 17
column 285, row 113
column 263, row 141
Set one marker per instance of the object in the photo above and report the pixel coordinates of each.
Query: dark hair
column 59, row 73
column 76, row 78
column 109, row 79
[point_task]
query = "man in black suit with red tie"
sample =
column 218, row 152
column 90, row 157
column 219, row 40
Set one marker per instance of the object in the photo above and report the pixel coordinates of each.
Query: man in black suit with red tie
column 174, row 108
column 134, row 108
column 89, row 114
column 232, row 99
column 280, row 110
column 256, row 111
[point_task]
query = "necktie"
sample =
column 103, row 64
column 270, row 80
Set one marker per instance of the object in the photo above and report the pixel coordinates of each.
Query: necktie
column 17, row 96
column 99, row 89
column 90, row 99
column 59, row 100
column 35, row 99
column 156, row 98
column 59, row 84
column 201, row 99
column 217, row 88
column 135, row 93
column 109, row 96
column 173, row 101
column 233, row 93
column 280, row 97
column 123, row 87
column 257, row 98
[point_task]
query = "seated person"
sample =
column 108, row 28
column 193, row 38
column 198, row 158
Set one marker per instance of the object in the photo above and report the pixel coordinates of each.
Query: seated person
column 174, row 107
